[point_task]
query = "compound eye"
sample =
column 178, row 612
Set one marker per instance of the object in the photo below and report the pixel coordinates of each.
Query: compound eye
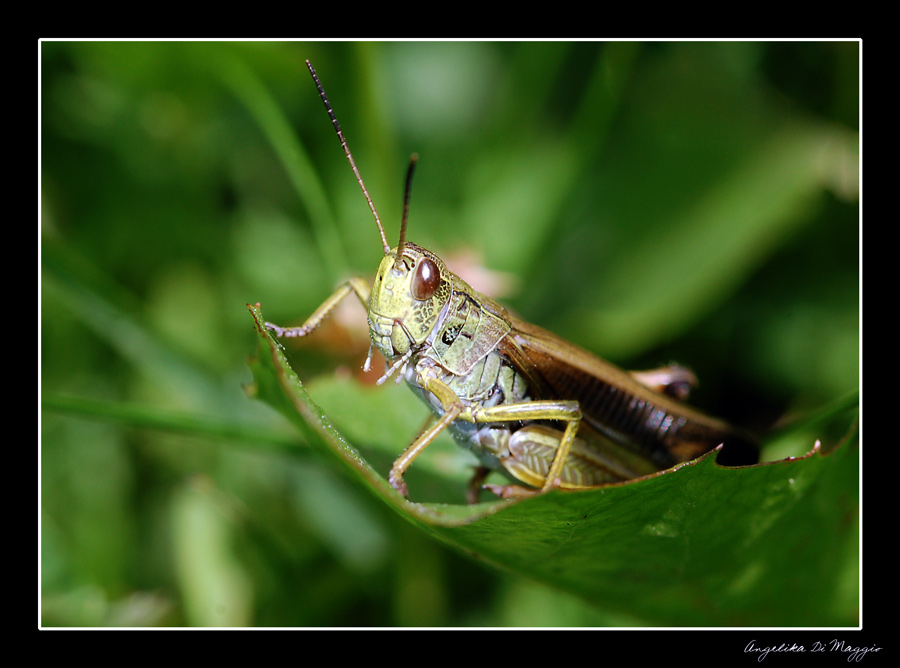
column 426, row 280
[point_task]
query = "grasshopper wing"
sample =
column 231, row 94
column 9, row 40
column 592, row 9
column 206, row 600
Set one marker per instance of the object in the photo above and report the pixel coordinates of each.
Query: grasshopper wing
column 618, row 406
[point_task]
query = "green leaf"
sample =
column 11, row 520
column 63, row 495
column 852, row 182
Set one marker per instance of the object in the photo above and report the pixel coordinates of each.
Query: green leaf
column 772, row 544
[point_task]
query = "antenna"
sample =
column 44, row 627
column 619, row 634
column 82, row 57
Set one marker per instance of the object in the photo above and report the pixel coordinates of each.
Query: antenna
column 337, row 127
column 414, row 158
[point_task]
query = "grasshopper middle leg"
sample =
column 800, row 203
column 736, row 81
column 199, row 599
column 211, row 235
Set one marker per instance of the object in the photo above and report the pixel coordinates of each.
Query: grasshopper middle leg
column 455, row 409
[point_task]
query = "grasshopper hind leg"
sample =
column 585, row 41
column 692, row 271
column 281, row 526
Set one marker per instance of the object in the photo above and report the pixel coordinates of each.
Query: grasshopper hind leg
column 539, row 458
column 674, row 380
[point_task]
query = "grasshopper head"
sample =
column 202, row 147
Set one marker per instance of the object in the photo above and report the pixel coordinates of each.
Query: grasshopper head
column 412, row 285
column 407, row 298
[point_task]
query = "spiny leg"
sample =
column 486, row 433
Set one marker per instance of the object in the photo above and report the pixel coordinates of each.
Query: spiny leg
column 552, row 480
column 354, row 285
column 562, row 454
column 454, row 408
column 403, row 462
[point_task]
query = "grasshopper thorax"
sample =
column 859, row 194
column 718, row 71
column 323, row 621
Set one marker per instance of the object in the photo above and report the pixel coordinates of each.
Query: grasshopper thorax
column 408, row 297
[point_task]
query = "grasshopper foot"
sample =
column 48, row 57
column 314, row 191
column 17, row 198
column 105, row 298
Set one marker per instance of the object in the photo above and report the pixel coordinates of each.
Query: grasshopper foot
column 511, row 491
column 282, row 332
column 397, row 482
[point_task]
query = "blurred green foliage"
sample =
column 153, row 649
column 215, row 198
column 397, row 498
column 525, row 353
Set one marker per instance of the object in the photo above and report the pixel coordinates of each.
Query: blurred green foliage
column 651, row 201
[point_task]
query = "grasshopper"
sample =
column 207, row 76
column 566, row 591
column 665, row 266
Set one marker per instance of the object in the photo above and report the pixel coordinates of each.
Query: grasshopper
column 526, row 402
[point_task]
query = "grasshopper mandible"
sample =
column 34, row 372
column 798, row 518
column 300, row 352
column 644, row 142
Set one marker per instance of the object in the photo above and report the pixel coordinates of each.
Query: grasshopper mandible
column 537, row 408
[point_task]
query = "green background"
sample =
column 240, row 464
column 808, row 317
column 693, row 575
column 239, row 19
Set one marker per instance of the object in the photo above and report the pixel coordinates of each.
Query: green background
column 651, row 201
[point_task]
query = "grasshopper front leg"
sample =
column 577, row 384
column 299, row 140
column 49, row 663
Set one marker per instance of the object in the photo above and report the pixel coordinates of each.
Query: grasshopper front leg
column 455, row 408
column 355, row 285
